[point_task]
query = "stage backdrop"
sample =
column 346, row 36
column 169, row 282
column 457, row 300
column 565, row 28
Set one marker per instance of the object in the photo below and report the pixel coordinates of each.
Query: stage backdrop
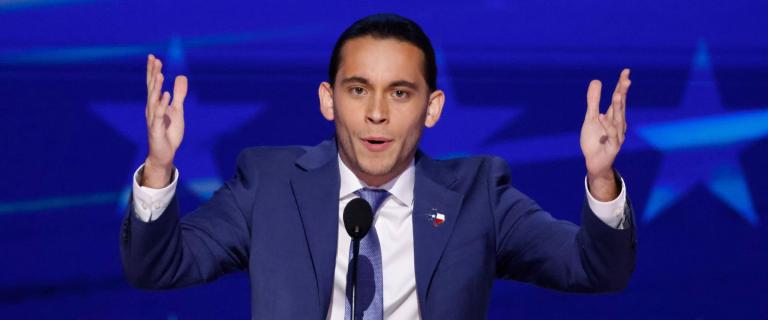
column 515, row 73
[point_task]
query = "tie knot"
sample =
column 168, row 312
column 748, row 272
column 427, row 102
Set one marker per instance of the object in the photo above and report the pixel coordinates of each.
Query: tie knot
column 374, row 197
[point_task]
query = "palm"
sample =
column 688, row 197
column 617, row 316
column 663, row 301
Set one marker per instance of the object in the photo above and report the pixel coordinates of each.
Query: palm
column 603, row 134
column 166, row 137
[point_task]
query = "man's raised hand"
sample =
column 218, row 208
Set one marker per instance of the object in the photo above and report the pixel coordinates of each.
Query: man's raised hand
column 602, row 136
column 165, row 125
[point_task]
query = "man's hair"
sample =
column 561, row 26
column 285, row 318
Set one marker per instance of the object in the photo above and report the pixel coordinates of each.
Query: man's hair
column 386, row 26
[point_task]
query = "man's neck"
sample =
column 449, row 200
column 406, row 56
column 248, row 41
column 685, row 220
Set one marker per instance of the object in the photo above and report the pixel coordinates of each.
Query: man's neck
column 376, row 181
column 401, row 186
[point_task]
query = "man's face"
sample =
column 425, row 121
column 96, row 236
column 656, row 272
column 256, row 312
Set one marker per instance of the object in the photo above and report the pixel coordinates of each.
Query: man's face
column 380, row 103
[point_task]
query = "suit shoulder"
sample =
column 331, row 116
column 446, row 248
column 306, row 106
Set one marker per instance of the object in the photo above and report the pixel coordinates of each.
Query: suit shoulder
column 473, row 163
column 270, row 156
column 273, row 151
column 474, row 171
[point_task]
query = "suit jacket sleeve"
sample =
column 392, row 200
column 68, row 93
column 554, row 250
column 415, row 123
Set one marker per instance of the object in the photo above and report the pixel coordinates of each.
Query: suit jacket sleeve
column 208, row 242
column 534, row 247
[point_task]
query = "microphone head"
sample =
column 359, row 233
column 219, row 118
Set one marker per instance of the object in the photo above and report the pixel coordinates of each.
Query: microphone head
column 358, row 218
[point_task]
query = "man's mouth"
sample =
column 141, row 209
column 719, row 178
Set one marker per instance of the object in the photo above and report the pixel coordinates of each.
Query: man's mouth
column 376, row 144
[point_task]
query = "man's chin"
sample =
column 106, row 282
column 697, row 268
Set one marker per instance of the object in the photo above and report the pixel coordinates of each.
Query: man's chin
column 377, row 171
column 380, row 168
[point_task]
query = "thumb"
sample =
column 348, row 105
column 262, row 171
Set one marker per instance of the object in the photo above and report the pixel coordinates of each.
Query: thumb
column 593, row 99
column 179, row 92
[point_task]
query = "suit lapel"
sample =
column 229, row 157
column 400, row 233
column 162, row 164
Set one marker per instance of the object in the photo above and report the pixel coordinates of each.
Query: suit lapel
column 431, row 196
column 316, row 189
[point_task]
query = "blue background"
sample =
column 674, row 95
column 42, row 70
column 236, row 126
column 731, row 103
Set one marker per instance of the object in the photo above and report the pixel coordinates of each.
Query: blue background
column 515, row 74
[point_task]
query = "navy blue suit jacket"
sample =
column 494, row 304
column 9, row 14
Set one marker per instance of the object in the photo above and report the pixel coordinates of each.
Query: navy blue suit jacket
column 278, row 220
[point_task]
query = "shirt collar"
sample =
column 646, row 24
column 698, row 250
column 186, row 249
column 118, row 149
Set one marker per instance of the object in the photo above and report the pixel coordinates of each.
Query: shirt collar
column 401, row 187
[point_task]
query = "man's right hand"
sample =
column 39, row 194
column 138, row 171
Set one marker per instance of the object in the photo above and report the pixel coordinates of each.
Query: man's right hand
column 165, row 125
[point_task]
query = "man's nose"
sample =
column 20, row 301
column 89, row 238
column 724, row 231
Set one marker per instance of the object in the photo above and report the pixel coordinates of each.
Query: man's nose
column 378, row 111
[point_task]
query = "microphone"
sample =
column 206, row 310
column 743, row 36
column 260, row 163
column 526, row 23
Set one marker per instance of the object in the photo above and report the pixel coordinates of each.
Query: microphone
column 358, row 218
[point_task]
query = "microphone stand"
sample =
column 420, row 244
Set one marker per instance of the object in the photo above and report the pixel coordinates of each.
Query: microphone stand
column 358, row 219
column 355, row 253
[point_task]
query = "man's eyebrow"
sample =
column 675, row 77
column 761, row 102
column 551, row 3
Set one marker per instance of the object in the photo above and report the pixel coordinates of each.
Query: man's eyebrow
column 398, row 83
column 355, row 79
column 403, row 83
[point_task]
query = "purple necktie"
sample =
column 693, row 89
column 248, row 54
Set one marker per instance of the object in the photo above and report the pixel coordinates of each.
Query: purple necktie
column 370, row 297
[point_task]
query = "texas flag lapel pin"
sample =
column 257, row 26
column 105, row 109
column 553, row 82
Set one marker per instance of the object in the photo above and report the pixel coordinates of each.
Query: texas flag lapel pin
column 437, row 217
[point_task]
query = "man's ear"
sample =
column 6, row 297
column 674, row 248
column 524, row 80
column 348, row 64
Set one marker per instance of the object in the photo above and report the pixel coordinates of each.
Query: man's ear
column 325, row 94
column 434, row 108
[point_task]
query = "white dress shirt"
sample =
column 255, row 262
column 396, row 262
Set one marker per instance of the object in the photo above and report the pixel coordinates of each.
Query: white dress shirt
column 394, row 227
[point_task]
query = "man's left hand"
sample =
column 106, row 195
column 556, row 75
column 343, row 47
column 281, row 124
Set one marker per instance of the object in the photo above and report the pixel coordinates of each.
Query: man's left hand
column 602, row 136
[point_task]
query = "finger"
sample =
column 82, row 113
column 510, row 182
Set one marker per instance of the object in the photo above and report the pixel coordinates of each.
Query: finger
column 614, row 108
column 150, row 63
column 624, row 80
column 622, row 112
column 164, row 101
column 623, row 76
column 625, row 83
column 610, row 129
column 620, row 92
column 621, row 106
column 152, row 76
column 593, row 99
column 619, row 123
column 157, row 87
column 154, row 96
column 179, row 92
column 621, row 136
column 161, row 109
column 622, row 87
column 603, row 124
column 157, row 66
column 620, row 97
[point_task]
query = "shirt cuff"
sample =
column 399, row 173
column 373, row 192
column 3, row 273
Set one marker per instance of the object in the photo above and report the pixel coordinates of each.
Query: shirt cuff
column 611, row 212
column 149, row 203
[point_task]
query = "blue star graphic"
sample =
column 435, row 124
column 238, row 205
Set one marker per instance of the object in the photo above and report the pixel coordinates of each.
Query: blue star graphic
column 204, row 123
column 463, row 129
column 701, row 141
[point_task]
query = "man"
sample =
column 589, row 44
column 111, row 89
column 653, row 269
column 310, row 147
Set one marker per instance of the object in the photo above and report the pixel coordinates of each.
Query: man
column 443, row 230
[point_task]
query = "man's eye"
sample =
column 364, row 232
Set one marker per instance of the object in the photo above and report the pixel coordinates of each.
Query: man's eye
column 358, row 91
column 400, row 94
